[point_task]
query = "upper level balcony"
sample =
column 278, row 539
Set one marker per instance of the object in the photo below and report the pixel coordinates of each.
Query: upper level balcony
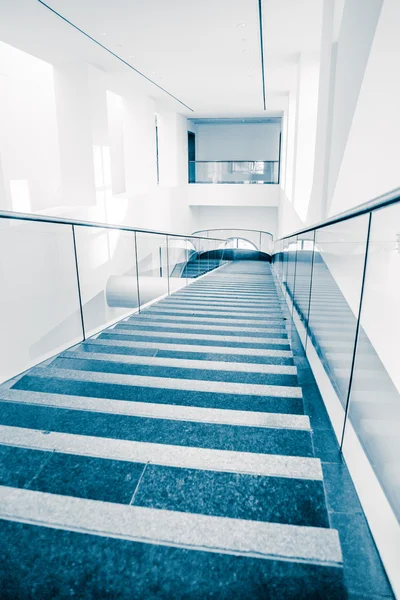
column 234, row 171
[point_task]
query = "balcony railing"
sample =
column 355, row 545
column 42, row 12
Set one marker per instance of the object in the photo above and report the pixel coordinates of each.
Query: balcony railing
column 234, row 171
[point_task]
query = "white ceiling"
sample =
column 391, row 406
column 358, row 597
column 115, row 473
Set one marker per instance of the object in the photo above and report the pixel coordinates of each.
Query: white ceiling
column 206, row 53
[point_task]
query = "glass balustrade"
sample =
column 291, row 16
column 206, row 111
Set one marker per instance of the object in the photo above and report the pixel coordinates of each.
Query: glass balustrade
column 341, row 281
column 63, row 282
column 39, row 300
column 234, row 171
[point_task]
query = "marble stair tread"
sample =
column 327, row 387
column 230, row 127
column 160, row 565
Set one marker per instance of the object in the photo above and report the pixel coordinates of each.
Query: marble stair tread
column 118, row 347
column 212, row 387
column 112, row 387
column 92, row 363
column 161, row 411
column 195, row 348
column 274, row 311
column 140, row 321
column 229, row 461
column 157, row 526
column 160, row 346
column 200, row 340
column 265, row 322
column 235, row 495
column 245, row 339
column 188, row 364
column 195, row 330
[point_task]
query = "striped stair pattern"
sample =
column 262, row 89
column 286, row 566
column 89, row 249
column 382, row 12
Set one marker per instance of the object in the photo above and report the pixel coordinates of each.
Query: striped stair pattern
column 199, row 266
column 169, row 457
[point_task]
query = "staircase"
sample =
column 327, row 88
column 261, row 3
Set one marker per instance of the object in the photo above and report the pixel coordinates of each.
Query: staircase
column 170, row 456
column 199, row 266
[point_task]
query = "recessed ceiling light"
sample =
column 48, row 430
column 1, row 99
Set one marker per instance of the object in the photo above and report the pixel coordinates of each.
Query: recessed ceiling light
column 131, row 56
column 103, row 33
column 241, row 24
column 246, row 50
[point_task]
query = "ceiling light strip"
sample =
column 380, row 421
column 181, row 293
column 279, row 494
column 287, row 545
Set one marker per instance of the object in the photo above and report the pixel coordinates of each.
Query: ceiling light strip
column 262, row 51
column 113, row 54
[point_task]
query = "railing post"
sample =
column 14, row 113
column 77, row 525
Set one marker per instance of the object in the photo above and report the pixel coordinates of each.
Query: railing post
column 357, row 332
column 137, row 272
column 168, row 288
column 309, row 296
column 294, row 279
column 78, row 283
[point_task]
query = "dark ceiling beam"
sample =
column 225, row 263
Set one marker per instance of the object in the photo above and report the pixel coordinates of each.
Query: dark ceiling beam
column 260, row 19
column 113, row 54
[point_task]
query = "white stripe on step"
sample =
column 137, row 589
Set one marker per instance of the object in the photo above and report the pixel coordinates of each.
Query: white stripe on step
column 169, row 383
column 194, row 348
column 266, row 322
column 269, row 465
column 159, row 411
column 197, row 336
column 139, row 321
column 161, row 308
column 182, row 363
column 170, row 528
column 210, row 312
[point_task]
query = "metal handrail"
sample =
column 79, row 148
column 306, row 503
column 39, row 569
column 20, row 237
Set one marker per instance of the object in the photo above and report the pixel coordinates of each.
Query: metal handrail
column 61, row 220
column 232, row 229
column 361, row 209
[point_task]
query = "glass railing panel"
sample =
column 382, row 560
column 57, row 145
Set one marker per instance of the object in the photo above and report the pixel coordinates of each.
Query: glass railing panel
column 194, row 247
column 302, row 288
column 291, row 266
column 107, row 273
column 178, row 256
column 277, row 260
column 242, row 171
column 339, row 257
column 374, row 408
column 39, row 302
column 285, row 261
column 266, row 243
column 152, row 256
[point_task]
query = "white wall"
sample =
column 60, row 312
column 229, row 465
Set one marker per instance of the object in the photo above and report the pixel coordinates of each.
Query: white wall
column 238, row 141
column 370, row 162
column 306, row 131
column 290, row 144
column 230, row 194
column 80, row 143
column 326, row 104
column 317, row 203
column 288, row 219
column 359, row 21
column 29, row 149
